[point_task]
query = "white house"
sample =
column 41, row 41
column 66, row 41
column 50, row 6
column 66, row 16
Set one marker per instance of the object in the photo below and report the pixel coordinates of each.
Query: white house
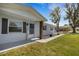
column 49, row 29
column 18, row 22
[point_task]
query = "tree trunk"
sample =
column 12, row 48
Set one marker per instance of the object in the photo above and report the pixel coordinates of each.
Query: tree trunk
column 74, row 22
column 57, row 28
column 74, row 30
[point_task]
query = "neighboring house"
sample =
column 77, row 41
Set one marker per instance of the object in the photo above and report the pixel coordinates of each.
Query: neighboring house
column 49, row 29
column 18, row 22
column 77, row 28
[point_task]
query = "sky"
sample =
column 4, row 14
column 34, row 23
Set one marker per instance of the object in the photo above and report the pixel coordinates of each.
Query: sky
column 46, row 8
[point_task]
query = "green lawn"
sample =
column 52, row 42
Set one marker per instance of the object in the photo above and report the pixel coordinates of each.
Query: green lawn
column 65, row 45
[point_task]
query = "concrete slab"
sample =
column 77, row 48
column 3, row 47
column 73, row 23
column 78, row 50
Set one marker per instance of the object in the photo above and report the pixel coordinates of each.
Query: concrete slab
column 17, row 46
column 13, row 44
column 49, row 39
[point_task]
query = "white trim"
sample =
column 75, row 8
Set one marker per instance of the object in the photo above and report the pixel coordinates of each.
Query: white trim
column 14, row 26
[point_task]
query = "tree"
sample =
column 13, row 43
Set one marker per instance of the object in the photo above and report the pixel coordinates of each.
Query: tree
column 55, row 17
column 72, row 11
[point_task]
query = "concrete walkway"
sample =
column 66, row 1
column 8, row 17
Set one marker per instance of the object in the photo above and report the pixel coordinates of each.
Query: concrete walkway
column 49, row 39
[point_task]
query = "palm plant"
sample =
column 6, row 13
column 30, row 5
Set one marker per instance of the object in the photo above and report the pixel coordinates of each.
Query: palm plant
column 55, row 17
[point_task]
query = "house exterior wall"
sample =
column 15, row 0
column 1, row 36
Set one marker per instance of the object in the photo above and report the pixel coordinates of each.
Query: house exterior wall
column 11, row 37
column 0, row 25
column 17, row 13
column 17, row 36
column 36, row 30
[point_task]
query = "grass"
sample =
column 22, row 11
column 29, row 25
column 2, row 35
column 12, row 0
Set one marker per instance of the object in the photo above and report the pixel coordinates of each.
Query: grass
column 67, row 45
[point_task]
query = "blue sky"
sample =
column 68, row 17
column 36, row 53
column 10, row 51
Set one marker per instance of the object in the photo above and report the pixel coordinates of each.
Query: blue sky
column 46, row 8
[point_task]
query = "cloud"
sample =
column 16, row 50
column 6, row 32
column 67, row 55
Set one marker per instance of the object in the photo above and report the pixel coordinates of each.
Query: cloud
column 51, row 6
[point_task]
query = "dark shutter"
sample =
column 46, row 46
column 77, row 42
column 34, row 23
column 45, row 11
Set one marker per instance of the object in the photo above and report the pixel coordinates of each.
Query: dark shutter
column 4, row 25
column 24, row 27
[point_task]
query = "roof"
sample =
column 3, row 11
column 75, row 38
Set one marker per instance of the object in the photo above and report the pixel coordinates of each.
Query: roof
column 50, row 23
column 17, row 7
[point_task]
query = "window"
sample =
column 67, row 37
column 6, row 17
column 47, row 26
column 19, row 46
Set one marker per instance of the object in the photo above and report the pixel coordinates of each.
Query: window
column 51, row 28
column 31, row 29
column 44, row 27
column 77, row 29
column 15, row 27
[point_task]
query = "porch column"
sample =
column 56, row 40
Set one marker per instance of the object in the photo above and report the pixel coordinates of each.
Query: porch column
column 41, row 29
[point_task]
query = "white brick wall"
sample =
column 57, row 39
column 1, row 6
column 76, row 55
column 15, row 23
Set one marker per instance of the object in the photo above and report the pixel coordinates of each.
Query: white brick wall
column 18, row 16
column 11, row 37
column 17, row 36
column 0, row 26
column 36, row 30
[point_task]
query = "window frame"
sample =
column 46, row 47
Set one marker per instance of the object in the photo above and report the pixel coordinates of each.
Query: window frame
column 44, row 27
column 15, row 26
column 31, row 29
